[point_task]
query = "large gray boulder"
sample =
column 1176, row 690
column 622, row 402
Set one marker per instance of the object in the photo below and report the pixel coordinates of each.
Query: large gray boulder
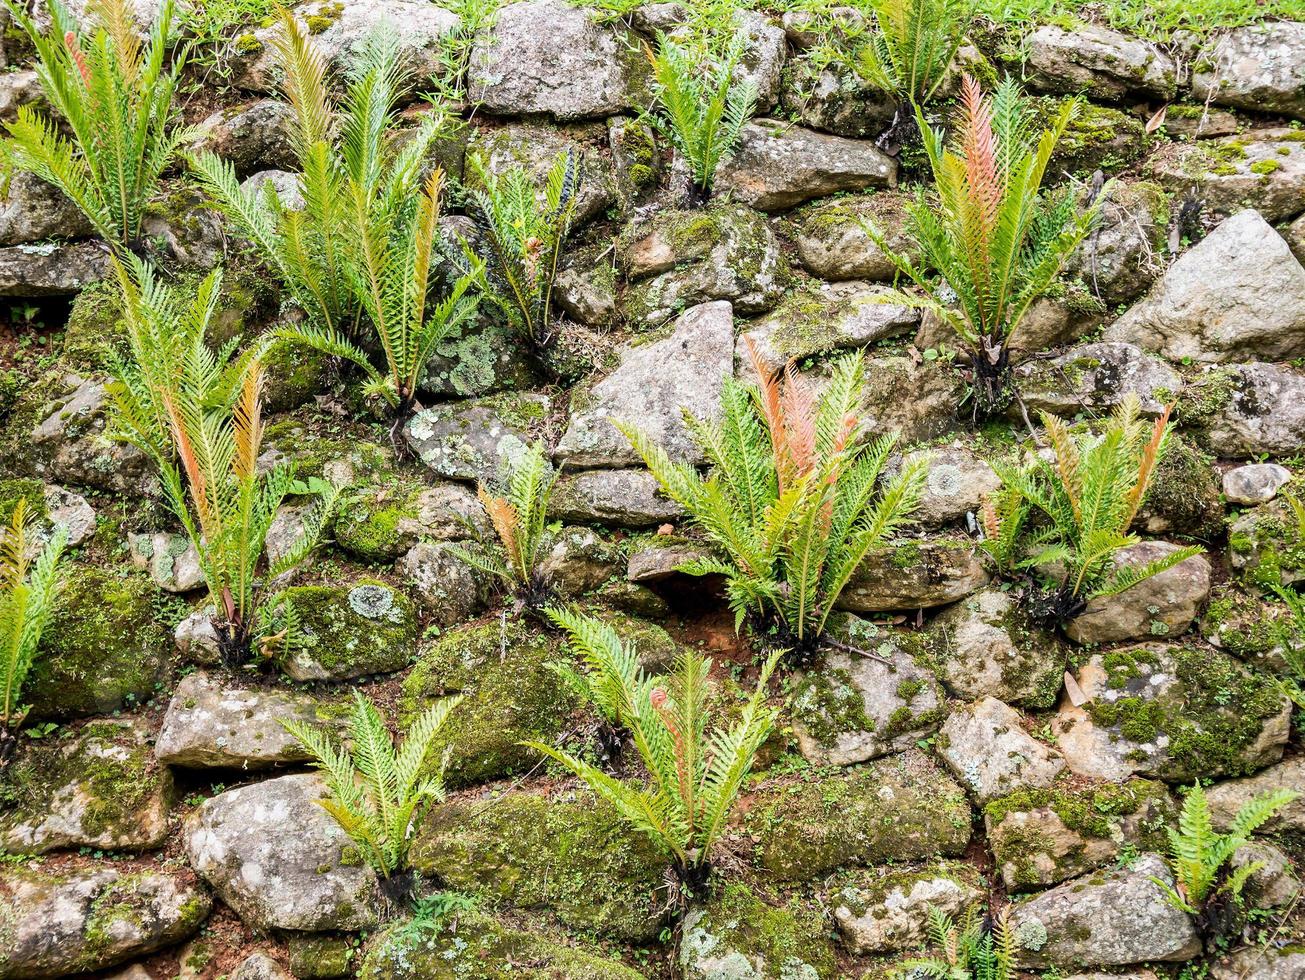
column 936, row 391
column 1098, row 62
column 548, row 57
column 956, row 481
column 652, row 388
column 620, row 498
column 71, row 444
column 778, row 166
column 1260, row 67
column 33, row 211
column 278, row 859
column 62, row 921
column 1240, row 293
column 1114, row 919
column 986, row 748
column 1250, row 409
column 1162, row 605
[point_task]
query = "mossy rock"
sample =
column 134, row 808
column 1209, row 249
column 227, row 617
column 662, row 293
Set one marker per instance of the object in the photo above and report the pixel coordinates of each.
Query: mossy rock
column 1184, row 496
column 295, row 375
column 738, row 934
column 482, row 948
column 95, row 328
column 1041, row 837
column 1245, row 626
column 351, row 630
column 342, row 459
column 103, row 647
column 575, row 857
column 367, row 522
column 1267, row 546
column 510, row 695
column 480, row 359
column 1097, row 137
column 321, row 956
column 901, row 808
column 21, row 488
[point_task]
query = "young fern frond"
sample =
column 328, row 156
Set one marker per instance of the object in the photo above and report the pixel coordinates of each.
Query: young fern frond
column 914, row 45
column 114, row 99
column 612, row 667
column 967, row 951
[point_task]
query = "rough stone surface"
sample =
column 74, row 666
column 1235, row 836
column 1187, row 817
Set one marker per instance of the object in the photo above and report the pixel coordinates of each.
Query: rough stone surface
column 1239, row 293
column 1254, row 483
column 736, row 933
column 654, row 384
column 778, row 166
column 477, row 439
column 1227, row 797
column 1262, row 169
column 621, row 498
column 350, row 630
column 956, row 481
column 914, row 575
column 1172, row 712
column 57, row 923
column 278, row 859
column 70, row 511
column 1252, row 409
column 71, row 445
column 442, row 582
column 831, row 239
column 1099, row 62
column 34, row 211
column 1123, row 254
column 579, row 560
column 1267, row 545
column 1114, row 919
column 548, row 57
column 171, row 560
column 986, row 748
column 661, row 558
column 936, row 389
column 1260, row 964
column 212, row 724
column 253, row 137
column 1096, row 377
column 848, row 708
column 836, row 100
column 50, row 269
column 1163, row 605
column 1259, row 67
column 889, row 911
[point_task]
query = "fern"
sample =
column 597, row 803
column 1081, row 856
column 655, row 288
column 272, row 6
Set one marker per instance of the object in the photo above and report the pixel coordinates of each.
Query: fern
column 1199, row 857
column 995, row 238
column 1089, row 493
column 695, row 774
column 792, row 502
column 520, row 229
column 197, row 414
column 28, row 592
column 612, row 667
column 114, row 99
column 378, row 792
column 969, row 951
column 520, row 519
column 701, row 107
column 914, row 45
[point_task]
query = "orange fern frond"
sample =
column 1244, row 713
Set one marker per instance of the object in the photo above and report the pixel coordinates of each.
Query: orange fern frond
column 247, row 422
column 988, row 515
column 1150, row 457
column 798, row 406
column 506, row 522
column 979, row 150
column 772, row 410
column 195, row 476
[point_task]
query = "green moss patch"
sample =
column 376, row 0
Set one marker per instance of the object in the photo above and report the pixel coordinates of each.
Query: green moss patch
column 351, row 630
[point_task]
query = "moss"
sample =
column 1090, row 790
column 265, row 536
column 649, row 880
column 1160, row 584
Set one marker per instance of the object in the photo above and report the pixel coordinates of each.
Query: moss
column 294, row 376
column 21, row 488
column 1185, row 493
column 95, row 327
column 313, row 454
column 368, row 522
column 1092, row 812
column 481, row 948
column 248, row 44
column 510, row 695
column 1240, row 624
column 578, row 859
column 320, row 956
column 1267, row 545
column 1097, row 137
column 351, row 630
column 102, row 648
column 739, row 928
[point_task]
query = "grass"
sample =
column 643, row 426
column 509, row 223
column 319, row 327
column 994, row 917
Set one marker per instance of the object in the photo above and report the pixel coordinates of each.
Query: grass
column 1154, row 19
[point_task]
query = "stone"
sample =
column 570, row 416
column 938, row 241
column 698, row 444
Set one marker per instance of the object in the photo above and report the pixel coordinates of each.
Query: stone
column 825, row 317
column 252, row 137
column 33, row 211
column 1227, row 797
column 1097, row 377
column 535, row 149
column 34, row 271
column 182, row 224
column 914, row 575
column 587, row 294
column 1097, row 138
column 340, row 31
column 1238, row 293
column 549, row 57
column 443, row 584
column 259, row 966
column 735, row 933
column 1201, row 121
column 777, row 166
column 1259, row 67
column 478, row 439
column 480, row 358
column 762, row 61
column 985, row 746
column 894, row 809
column 678, row 259
column 1257, row 963
column 70, row 511
column 347, row 631
column 1250, row 409
column 98, row 789
column 832, row 243
column 66, row 921
column 102, row 649
column 652, row 387
column 1183, row 497
column 196, row 638
column 568, row 854
column 279, row 860
column 18, row 88
column 887, row 910
column 1098, row 62
column 479, row 947
column 1162, row 605
column 956, row 481
column 1042, row 837
column 321, row 956
column 385, row 519
column 71, row 445
column 283, row 184
column 510, row 695
column 1174, row 713
column 1294, row 234
column 1262, row 169
column 1273, row 884
column 1254, row 483
column 171, row 560
column 578, row 560
column 848, row 708
column 1124, row 253
column 1244, row 625
column 936, row 390
column 661, row 558
column 215, row 724
column 1111, row 919
column 985, row 646
column 1266, row 545
column 618, row 498
column 832, row 98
